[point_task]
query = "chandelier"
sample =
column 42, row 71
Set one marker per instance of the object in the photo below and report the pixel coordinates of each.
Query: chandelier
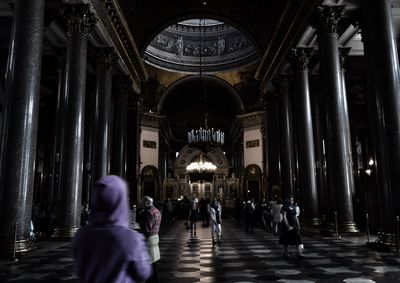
column 204, row 137
column 201, row 171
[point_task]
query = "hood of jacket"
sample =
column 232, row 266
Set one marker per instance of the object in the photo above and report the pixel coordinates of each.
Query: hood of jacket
column 109, row 202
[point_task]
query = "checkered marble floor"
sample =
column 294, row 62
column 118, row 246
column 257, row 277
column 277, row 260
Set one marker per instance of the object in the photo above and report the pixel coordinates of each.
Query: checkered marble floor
column 242, row 257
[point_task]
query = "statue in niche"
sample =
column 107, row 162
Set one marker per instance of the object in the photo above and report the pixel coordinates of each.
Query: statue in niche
column 221, row 46
column 179, row 46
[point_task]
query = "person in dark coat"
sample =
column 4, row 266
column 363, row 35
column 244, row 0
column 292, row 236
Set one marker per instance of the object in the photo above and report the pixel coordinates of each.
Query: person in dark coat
column 290, row 234
column 106, row 250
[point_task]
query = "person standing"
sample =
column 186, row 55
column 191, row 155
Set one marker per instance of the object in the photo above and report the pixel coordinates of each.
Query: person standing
column 106, row 250
column 194, row 215
column 150, row 227
column 290, row 234
column 264, row 213
column 276, row 216
column 215, row 211
column 249, row 215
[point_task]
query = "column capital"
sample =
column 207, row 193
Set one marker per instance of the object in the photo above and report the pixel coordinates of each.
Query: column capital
column 328, row 18
column 300, row 57
column 106, row 58
column 343, row 53
column 79, row 18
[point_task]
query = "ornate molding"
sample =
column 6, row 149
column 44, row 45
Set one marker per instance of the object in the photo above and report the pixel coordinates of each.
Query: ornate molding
column 292, row 21
column 343, row 53
column 179, row 48
column 79, row 19
column 115, row 24
column 328, row 18
column 252, row 119
column 300, row 57
column 106, row 59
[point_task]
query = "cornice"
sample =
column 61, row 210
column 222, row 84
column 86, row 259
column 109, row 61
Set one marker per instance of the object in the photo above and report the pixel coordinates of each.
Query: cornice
column 252, row 119
column 292, row 22
column 111, row 16
column 151, row 120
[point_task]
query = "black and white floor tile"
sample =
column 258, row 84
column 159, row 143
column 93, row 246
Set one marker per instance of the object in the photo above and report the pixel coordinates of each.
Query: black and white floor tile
column 242, row 257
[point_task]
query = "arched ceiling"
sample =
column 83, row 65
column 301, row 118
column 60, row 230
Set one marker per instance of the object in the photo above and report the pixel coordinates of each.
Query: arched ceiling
column 203, row 45
column 184, row 105
column 256, row 18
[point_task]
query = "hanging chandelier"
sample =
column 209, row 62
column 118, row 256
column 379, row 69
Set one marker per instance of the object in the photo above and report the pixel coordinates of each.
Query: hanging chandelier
column 204, row 137
column 200, row 170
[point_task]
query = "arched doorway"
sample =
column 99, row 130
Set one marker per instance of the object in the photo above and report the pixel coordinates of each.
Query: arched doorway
column 252, row 182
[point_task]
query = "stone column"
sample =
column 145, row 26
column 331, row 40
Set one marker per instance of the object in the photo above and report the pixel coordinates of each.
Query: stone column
column 317, row 108
column 87, row 179
column 101, row 164
column 337, row 134
column 286, row 136
column 133, row 145
column 80, row 21
column 383, row 97
column 273, row 145
column 58, row 131
column 120, row 127
column 22, row 107
column 308, row 185
column 343, row 53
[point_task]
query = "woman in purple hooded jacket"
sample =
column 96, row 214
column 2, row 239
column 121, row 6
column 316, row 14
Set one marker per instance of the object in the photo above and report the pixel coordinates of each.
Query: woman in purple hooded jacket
column 106, row 250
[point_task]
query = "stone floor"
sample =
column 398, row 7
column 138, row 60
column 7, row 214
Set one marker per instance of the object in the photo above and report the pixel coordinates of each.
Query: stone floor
column 242, row 257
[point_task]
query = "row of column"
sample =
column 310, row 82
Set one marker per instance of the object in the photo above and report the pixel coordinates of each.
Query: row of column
column 383, row 95
column 21, row 123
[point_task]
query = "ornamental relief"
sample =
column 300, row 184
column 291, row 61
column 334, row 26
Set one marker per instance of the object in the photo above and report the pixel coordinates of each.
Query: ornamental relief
column 220, row 46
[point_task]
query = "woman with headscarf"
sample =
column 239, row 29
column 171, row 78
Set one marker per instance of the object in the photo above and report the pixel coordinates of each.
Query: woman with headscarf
column 106, row 250
column 290, row 235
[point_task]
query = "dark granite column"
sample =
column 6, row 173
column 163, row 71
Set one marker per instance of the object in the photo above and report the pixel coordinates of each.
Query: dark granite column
column 381, row 54
column 120, row 127
column 133, row 145
column 101, row 164
column 281, row 85
column 317, row 108
column 343, row 53
column 273, row 145
column 337, row 134
column 308, row 185
column 87, row 178
column 58, row 131
column 22, row 107
column 80, row 21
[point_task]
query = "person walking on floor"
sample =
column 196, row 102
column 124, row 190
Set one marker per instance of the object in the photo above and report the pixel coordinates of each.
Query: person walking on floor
column 290, row 234
column 215, row 211
column 106, row 250
column 150, row 227
column 276, row 216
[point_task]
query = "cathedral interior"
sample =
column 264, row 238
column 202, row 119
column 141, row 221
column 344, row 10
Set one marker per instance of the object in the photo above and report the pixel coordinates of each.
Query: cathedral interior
column 289, row 97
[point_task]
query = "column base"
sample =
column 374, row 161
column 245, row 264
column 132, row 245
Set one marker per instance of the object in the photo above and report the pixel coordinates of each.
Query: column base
column 386, row 242
column 344, row 227
column 64, row 233
column 21, row 246
column 311, row 223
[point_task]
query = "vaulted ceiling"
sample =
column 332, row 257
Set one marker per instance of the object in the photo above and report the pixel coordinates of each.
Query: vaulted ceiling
column 273, row 26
